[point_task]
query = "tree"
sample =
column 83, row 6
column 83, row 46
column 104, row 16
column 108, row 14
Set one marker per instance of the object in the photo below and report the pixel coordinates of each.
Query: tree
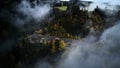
column 62, row 45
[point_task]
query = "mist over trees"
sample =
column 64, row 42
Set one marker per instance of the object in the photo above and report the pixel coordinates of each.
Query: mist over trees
column 30, row 31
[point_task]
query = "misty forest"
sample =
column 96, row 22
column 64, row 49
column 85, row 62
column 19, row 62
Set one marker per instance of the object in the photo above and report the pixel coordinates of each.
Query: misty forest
column 59, row 34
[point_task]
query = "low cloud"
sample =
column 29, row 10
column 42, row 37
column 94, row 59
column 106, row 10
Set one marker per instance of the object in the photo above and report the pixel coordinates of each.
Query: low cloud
column 101, row 54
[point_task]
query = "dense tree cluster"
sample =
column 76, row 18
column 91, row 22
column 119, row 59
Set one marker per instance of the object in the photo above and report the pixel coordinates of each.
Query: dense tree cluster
column 30, row 52
column 67, row 24
column 75, row 22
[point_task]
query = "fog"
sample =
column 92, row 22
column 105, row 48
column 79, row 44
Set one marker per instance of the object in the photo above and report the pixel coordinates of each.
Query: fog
column 90, row 52
column 32, row 11
column 23, row 13
column 104, row 53
column 37, row 11
column 108, row 4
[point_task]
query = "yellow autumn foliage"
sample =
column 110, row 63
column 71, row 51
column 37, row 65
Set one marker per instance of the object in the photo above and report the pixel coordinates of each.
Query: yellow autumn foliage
column 62, row 45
